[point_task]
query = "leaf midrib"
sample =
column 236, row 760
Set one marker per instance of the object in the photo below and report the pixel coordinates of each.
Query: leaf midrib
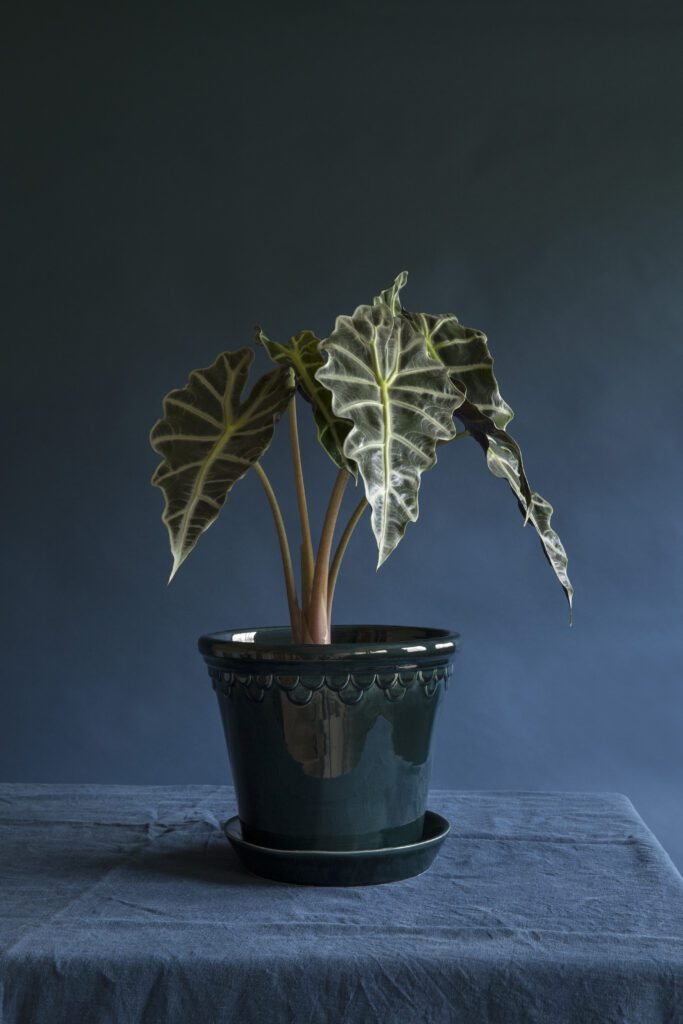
column 384, row 386
column 222, row 440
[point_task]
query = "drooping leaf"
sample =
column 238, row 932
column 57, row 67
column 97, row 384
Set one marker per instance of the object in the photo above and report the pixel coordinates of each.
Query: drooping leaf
column 503, row 454
column 464, row 351
column 540, row 515
column 504, row 459
column 303, row 354
column 209, row 437
column 401, row 402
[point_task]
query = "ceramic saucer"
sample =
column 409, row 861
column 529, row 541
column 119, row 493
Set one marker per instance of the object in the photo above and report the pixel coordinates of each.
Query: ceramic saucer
column 341, row 867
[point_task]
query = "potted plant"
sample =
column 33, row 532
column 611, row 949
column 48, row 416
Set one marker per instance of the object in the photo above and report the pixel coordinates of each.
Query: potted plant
column 329, row 727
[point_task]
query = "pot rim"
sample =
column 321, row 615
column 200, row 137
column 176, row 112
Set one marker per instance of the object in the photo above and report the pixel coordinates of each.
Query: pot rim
column 376, row 641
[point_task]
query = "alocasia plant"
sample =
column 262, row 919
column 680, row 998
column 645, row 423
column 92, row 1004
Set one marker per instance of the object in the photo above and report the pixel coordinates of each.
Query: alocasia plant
column 386, row 389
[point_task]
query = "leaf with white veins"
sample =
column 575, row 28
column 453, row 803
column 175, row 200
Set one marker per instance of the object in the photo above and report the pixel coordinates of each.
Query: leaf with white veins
column 504, row 459
column 303, row 354
column 485, row 414
column 540, row 515
column 209, row 438
column 391, row 296
column 465, row 353
column 401, row 403
column 503, row 454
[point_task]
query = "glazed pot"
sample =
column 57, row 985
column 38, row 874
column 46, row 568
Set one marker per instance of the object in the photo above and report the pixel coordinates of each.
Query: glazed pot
column 330, row 745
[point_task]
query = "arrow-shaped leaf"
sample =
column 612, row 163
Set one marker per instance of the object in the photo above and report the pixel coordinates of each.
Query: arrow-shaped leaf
column 303, row 354
column 209, row 438
column 401, row 402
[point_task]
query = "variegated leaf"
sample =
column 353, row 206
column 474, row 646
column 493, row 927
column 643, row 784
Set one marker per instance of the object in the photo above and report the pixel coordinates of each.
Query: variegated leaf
column 401, row 403
column 303, row 354
column 209, row 437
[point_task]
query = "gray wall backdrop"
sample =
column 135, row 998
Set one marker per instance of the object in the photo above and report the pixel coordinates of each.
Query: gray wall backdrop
column 178, row 172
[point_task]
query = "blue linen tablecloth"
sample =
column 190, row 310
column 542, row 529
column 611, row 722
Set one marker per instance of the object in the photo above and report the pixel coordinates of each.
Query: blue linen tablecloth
column 126, row 904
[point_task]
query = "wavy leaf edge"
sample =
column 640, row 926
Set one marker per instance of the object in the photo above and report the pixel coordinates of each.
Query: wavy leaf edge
column 376, row 363
column 486, row 415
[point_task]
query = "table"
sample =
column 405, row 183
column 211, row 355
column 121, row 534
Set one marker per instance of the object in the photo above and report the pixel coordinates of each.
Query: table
column 126, row 904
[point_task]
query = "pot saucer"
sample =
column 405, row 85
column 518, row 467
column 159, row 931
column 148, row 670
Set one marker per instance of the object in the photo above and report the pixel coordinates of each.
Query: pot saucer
column 341, row 867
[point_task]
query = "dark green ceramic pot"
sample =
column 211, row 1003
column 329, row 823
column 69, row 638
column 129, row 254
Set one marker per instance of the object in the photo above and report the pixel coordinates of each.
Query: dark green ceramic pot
column 330, row 745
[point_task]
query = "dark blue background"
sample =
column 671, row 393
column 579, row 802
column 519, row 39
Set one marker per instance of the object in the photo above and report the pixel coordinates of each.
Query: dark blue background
column 177, row 173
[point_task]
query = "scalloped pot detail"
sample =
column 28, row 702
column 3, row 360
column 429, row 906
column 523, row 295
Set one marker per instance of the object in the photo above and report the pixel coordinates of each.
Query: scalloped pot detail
column 348, row 687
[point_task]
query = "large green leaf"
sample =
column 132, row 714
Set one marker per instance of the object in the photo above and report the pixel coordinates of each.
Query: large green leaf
column 464, row 352
column 303, row 354
column 401, row 403
column 209, row 438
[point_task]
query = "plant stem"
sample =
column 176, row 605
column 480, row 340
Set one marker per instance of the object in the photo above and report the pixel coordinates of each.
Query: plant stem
column 290, row 584
column 307, row 556
column 318, row 619
column 341, row 548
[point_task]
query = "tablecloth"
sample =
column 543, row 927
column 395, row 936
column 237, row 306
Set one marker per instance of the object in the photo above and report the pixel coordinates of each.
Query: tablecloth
column 126, row 904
